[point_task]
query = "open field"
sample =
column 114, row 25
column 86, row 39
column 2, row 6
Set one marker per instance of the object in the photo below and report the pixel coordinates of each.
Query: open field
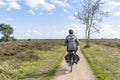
column 104, row 58
column 108, row 42
column 28, row 60
column 39, row 59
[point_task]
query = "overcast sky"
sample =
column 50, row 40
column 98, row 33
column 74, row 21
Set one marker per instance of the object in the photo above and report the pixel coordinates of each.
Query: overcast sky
column 51, row 19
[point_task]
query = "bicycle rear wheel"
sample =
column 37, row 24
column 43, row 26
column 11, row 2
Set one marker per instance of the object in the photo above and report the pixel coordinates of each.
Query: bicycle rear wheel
column 71, row 63
column 71, row 67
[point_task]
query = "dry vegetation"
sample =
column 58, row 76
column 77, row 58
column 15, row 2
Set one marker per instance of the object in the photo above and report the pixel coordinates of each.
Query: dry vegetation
column 112, row 47
column 25, row 49
column 108, row 42
column 27, row 59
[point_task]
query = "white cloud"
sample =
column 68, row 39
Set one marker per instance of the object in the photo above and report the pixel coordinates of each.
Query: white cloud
column 74, row 27
column 78, row 29
column 108, row 31
column 36, row 4
column 71, row 17
column 61, row 3
column 13, row 26
column 113, row 3
column 2, row 3
column 116, row 13
column 14, row 4
column 33, row 4
column 110, row 5
column 62, row 33
column 40, row 13
column 31, row 12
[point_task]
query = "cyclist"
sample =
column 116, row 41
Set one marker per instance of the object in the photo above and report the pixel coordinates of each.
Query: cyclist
column 72, row 44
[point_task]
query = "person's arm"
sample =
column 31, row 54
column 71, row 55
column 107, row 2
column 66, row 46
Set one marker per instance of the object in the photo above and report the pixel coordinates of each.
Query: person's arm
column 77, row 41
column 66, row 41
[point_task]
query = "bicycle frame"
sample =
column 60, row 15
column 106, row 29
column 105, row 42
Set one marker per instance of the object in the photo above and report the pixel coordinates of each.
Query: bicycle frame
column 71, row 60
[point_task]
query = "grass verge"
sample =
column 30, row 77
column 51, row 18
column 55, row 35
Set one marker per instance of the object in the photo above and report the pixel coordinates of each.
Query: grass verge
column 51, row 73
column 43, row 69
column 104, row 66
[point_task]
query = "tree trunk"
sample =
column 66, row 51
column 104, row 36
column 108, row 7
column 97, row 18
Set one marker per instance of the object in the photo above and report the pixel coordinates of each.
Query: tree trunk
column 87, row 41
column 87, row 36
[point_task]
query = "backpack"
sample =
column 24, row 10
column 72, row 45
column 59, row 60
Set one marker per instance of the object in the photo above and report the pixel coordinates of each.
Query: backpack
column 71, row 42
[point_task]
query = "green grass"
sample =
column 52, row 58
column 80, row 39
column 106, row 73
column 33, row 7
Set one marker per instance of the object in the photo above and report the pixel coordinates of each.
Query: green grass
column 42, row 69
column 51, row 73
column 104, row 66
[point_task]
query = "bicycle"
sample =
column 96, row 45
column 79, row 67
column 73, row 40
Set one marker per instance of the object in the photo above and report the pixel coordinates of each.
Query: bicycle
column 72, row 55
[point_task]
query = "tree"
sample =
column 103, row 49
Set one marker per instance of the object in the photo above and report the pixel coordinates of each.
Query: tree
column 90, row 15
column 6, row 30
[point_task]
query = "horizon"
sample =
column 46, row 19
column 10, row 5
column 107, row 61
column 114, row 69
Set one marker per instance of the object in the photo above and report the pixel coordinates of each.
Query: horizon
column 51, row 19
column 78, row 38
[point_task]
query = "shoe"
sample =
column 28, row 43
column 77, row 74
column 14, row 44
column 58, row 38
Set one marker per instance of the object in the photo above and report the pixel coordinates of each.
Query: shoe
column 75, row 62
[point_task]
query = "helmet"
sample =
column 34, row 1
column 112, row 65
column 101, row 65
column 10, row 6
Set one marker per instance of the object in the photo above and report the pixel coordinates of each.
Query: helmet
column 71, row 31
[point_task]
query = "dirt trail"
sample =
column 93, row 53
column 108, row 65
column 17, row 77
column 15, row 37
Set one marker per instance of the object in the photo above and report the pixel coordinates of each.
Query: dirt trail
column 81, row 71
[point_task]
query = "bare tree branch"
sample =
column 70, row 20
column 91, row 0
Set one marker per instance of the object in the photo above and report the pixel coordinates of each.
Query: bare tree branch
column 90, row 15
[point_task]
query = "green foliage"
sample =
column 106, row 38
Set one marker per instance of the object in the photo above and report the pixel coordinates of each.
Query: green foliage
column 6, row 30
column 51, row 73
column 102, row 64
column 6, row 70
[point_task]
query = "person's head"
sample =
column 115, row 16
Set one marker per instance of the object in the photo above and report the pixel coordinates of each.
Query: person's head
column 71, row 31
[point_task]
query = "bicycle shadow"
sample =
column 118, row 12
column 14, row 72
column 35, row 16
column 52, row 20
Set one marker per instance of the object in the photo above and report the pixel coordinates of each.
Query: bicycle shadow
column 61, row 72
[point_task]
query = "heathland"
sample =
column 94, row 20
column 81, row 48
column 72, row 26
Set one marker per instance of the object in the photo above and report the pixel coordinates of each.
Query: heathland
column 28, row 60
column 39, row 59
